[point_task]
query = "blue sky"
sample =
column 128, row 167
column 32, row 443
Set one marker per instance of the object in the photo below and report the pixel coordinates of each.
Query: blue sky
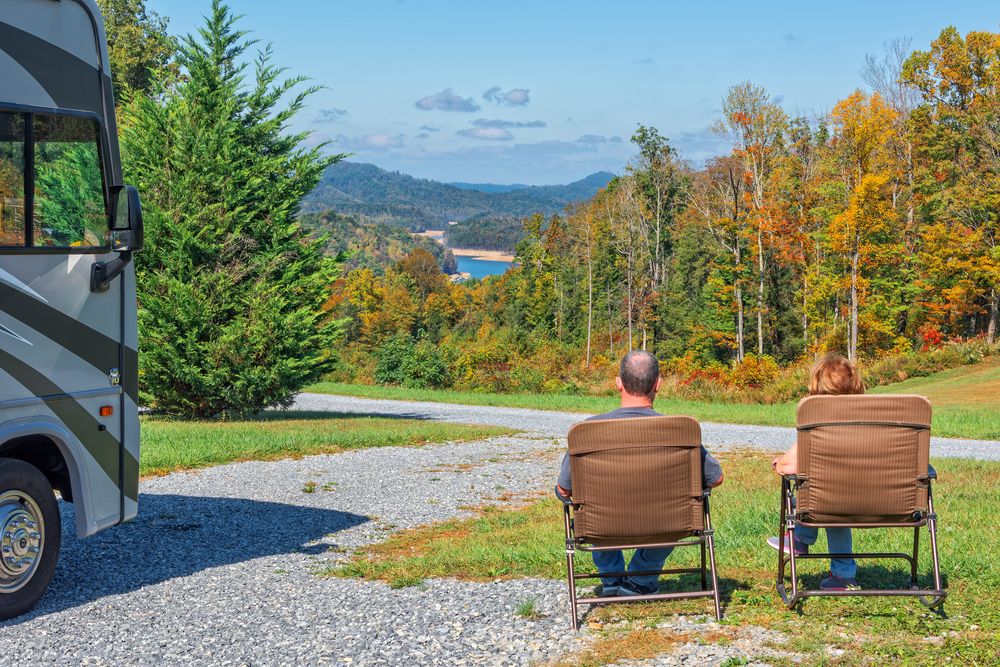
column 548, row 92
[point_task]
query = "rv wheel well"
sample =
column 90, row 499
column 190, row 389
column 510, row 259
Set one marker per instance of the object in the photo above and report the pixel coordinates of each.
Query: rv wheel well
column 41, row 452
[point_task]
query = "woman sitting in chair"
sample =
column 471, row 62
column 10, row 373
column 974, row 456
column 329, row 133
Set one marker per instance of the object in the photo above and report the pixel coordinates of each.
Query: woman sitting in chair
column 834, row 375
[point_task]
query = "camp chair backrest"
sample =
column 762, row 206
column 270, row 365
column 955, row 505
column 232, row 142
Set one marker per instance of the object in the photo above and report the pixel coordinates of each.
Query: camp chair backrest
column 636, row 480
column 863, row 458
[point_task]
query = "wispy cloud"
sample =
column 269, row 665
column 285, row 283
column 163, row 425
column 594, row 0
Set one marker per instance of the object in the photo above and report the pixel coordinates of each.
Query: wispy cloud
column 791, row 37
column 515, row 97
column 422, row 135
column 486, row 133
column 592, row 139
column 446, row 100
column 370, row 142
column 642, row 61
column 496, row 122
column 430, row 128
column 331, row 115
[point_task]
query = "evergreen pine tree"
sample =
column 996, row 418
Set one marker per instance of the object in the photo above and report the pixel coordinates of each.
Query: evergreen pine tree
column 231, row 290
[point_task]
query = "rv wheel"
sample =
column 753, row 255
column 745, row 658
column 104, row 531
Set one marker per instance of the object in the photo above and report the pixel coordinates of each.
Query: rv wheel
column 29, row 536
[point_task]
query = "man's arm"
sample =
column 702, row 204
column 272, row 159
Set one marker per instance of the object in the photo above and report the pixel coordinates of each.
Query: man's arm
column 564, row 483
column 711, row 471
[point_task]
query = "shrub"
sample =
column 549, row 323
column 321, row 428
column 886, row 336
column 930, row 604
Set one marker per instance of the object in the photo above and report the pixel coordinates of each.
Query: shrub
column 400, row 361
column 753, row 372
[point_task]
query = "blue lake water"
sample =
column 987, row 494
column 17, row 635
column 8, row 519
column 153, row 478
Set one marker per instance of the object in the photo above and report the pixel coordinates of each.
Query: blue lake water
column 480, row 268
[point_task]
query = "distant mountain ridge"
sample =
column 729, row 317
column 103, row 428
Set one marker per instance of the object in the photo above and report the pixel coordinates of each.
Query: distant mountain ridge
column 419, row 204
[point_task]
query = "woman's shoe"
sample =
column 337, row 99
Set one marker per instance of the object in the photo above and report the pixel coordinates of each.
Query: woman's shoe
column 835, row 583
column 800, row 549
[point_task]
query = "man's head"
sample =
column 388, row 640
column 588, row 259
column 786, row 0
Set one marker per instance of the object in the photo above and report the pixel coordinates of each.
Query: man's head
column 638, row 376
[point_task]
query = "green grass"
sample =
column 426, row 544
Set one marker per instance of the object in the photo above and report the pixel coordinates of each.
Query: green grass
column 966, row 401
column 169, row 445
column 527, row 542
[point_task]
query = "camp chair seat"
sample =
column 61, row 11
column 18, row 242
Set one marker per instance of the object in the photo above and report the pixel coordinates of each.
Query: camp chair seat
column 863, row 463
column 637, row 483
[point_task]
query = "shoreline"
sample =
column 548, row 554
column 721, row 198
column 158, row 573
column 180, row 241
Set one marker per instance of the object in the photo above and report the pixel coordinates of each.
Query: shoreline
column 486, row 255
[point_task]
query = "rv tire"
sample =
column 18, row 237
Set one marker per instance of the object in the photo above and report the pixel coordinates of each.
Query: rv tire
column 30, row 534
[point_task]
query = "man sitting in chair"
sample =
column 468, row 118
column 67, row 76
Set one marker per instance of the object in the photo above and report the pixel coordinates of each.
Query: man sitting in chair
column 638, row 381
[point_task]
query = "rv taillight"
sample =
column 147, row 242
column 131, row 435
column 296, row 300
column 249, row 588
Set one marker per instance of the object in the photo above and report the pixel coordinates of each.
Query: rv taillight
column 106, row 410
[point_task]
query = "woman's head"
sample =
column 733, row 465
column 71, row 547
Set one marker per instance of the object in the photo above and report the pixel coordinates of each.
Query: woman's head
column 834, row 375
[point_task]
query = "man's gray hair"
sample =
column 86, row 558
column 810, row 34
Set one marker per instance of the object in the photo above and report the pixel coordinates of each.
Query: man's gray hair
column 639, row 372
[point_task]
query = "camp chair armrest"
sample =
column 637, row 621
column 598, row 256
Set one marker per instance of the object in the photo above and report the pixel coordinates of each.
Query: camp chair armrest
column 566, row 500
column 793, row 478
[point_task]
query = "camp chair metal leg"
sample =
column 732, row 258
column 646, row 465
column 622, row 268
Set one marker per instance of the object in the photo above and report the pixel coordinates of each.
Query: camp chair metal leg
column 570, row 570
column 787, row 536
column 704, row 579
column 937, row 600
column 916, row 551
column 710, row 538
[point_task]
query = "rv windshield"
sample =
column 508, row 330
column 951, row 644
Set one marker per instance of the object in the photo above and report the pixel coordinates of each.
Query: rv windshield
column 69, row 206
column 52, row 181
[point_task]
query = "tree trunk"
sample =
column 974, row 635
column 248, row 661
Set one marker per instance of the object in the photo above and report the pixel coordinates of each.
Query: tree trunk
column 852, row 345
column 590, row 298
column 991, row 328
column 760, row 292
column 740, row 343
column 629, row 301
column 611, row 331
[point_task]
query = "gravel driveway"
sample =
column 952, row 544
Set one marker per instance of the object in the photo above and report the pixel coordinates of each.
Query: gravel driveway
column 716, row 437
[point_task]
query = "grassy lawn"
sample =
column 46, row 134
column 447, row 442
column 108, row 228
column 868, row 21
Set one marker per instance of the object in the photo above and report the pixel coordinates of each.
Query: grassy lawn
column 169, row 445
column 527, row 542
column 966, row 402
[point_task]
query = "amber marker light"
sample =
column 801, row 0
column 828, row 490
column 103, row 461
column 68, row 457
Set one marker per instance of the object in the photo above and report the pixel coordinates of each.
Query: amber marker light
column 106, row 410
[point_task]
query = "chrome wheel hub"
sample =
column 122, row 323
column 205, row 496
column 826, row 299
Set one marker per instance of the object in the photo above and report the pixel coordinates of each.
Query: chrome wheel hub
column 21, row 541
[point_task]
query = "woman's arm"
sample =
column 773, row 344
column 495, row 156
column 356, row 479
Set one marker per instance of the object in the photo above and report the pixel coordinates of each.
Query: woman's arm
column 787, row 463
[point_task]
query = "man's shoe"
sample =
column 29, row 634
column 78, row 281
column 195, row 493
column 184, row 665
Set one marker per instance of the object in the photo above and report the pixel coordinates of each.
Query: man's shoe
column 610, row 590
column 800, row 549
column 631, row 588
column 834, row 583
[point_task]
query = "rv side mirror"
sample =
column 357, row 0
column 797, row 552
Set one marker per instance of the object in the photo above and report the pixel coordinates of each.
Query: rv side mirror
column 126, row 219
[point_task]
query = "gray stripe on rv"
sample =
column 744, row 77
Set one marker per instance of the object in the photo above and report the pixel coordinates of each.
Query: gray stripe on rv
column 103, row 446
column 59, row 72
column 91, row 345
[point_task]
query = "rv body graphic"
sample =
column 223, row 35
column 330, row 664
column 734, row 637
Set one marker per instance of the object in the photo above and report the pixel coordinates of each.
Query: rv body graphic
column 68, row 342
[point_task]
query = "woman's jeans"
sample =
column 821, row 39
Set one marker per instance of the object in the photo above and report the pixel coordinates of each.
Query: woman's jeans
column 643, row 559
column 839, row 542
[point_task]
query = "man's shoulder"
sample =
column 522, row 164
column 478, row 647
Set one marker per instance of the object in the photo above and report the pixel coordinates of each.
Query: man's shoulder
column 625, row 413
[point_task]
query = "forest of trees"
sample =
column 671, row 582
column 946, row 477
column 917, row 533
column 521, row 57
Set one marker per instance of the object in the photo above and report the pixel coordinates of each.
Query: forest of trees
column 872, row 230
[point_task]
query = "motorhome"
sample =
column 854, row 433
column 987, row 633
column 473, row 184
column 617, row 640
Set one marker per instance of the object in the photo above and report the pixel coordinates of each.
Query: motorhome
column 68, row 349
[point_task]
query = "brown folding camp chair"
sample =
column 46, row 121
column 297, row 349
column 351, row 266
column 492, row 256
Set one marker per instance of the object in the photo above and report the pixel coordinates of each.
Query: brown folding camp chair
column 637, row 483
column 862, row 463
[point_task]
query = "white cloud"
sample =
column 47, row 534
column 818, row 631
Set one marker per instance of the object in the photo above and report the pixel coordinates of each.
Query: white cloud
column 370, row 142
column 446, row 100
column 592, row 139
column 483, row 122
column 642, row 61
column 515, row 97
column 487, row 133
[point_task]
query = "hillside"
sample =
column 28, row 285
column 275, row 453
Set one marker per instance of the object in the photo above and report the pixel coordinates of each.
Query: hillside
column 418, row 204
column 371, row 245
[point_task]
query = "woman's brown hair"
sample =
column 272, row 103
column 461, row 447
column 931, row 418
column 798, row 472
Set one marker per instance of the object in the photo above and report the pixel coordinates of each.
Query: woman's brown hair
column 833, row 375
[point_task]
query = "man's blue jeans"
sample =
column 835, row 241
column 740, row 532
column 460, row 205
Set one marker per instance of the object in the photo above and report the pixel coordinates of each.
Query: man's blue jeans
column 839, row 542
column 643, row 559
